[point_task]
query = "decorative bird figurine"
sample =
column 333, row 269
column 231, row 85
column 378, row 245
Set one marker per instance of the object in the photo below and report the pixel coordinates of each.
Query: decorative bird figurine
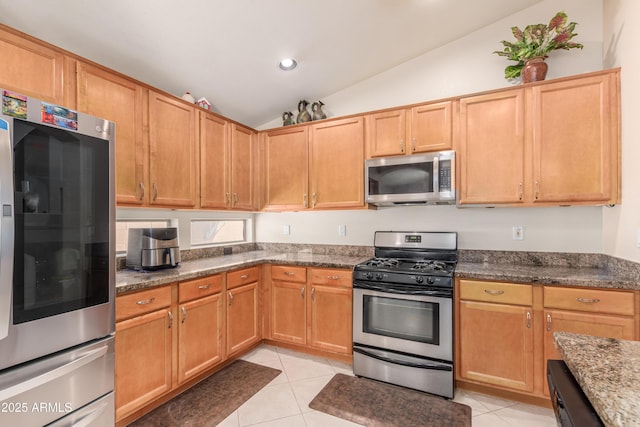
column 318, row 114
column 287, row 118
column 303, row 114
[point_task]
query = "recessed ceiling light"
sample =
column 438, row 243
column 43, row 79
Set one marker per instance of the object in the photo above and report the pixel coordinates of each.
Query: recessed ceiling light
column 287, row 64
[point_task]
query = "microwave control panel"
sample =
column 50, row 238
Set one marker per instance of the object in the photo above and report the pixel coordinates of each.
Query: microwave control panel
column 445, row 175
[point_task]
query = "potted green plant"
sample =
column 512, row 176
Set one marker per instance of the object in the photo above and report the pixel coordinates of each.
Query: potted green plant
column 533, row 45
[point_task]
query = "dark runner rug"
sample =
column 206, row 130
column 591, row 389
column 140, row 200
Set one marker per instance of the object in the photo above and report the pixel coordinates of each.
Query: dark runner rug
column 372, row 403
column 212, row 400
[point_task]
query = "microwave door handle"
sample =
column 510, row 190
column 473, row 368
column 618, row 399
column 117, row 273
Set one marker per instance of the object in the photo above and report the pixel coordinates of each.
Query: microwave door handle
column 431, row 366
column 436, row 175
column 6, row 227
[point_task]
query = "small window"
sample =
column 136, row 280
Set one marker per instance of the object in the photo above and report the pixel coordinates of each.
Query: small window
column 216, row 232
column 122, row 231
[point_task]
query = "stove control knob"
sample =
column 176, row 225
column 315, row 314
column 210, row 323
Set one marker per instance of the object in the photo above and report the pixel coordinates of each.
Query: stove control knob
column 379, row 276
column 431, row 280
column 419, row 279
column 369, row 275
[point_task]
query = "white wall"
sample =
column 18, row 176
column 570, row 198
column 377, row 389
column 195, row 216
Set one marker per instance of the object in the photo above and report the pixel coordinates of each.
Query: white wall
column 621, row 226
column 464, row 66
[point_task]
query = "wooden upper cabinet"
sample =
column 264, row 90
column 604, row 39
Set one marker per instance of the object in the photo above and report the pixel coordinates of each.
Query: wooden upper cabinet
column 107, row 95
column 172, row 151
column 214, row 162
column 575, row 145
column 492, row 148
column 337, row 163
column 242, row 167
column 386, row 133
column 287, row 169
column 431, row 127
column 31, row 68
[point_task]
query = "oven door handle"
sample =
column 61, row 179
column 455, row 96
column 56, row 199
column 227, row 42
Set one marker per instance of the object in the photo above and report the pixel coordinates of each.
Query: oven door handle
column 6, row 227
column 391, row 289
column 431, row 366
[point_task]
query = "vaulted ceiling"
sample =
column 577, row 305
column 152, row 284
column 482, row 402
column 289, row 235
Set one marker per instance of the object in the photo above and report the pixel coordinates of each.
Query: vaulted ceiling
column 228, row 51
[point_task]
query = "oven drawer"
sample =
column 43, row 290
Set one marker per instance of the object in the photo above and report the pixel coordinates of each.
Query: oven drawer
column 505, row 293
column 591, row 300
column 332, row 277
column 287, row 273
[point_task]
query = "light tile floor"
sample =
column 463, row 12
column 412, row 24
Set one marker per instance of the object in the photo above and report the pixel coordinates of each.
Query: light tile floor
column 285, row 401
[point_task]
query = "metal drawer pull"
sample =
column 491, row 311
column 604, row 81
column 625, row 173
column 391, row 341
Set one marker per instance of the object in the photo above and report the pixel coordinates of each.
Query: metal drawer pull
column 184, row 313
column 289, row 273
column 146, row 301
column 230, row 298
column 333, row 277
column 494, row 292
column 244, row 276
column 588, row 300
column 548, row 323
column 528, row 320
column 170, row 314
column 204, row 286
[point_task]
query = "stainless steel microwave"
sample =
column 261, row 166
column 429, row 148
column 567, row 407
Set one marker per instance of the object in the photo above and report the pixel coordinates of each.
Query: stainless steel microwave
column 411, row 180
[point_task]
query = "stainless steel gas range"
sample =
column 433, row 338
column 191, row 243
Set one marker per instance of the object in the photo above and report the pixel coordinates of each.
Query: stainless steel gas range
column 403, row 311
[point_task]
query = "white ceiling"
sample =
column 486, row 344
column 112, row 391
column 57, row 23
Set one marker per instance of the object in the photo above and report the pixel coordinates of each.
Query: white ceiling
column 228, row 51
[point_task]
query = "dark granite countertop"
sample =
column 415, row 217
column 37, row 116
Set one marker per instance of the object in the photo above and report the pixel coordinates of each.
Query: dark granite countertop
column 608, row 370
column 549, row 275
column 129, row 280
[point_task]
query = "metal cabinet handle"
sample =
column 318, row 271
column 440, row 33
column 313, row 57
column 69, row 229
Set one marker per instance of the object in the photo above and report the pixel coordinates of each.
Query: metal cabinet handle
column 537, row 192
column 146, row 301
column 413, row 144
column 333, row 277
column 141, row 184
column 313, row 200
column 548, row 322
column 207, row 286
column 313, row 294
column 302, row 292
column 235, row 199
column 528, row 320
column 184, row 313
column 588, row 300
column 230, row 298
column 304, row 200
column 494, row 291
column 520, row 191
column 402, row 145
column 228, row 196
column 155, row 191
column 170, row 314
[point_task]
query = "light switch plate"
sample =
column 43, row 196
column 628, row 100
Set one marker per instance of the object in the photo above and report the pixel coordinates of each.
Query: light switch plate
column 518, row 232
column 342, row 230
column 286, row 230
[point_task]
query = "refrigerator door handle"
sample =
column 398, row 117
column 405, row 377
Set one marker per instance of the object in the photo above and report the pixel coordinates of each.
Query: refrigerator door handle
column 6, row 227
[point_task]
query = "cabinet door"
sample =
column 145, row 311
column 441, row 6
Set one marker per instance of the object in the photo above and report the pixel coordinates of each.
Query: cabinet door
column 242, row 317
column 573, row 151
column 289, row 312
column 431, row 127
column 492, row 148
column 143, row 360
column 337, row 164
column 287, row 169
column 199, row 336
column 386, row 133
column 107, row 95
column 172, row 146
column 242, row 167
column 31, row 68
column 496, row 344
column 330, row 318
column 214, row 162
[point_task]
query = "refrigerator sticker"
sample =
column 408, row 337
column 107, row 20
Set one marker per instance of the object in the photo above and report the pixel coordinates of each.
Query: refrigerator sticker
column 14, row 105
column 59, row 116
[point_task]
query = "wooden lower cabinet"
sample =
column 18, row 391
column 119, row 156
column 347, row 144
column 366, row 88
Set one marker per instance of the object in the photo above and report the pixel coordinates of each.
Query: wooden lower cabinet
column 243, row 316
column 506, row 345
column 496, row 344
column 312, row 307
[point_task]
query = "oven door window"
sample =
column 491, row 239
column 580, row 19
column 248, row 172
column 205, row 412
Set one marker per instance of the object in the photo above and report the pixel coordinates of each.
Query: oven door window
column 401, row 318
column 61, row 254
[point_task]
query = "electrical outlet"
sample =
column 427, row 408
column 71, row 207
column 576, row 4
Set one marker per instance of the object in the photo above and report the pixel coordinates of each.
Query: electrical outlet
column 286, row 230
column 518, row 232
column 342, row 230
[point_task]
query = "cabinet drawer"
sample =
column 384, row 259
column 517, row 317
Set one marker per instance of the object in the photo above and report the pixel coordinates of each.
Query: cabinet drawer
column 326, row 276
column 505, row 293
column 197, row 288
column 289, row 273
column 591, row 300
column 242, row 277
column 142, row 302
